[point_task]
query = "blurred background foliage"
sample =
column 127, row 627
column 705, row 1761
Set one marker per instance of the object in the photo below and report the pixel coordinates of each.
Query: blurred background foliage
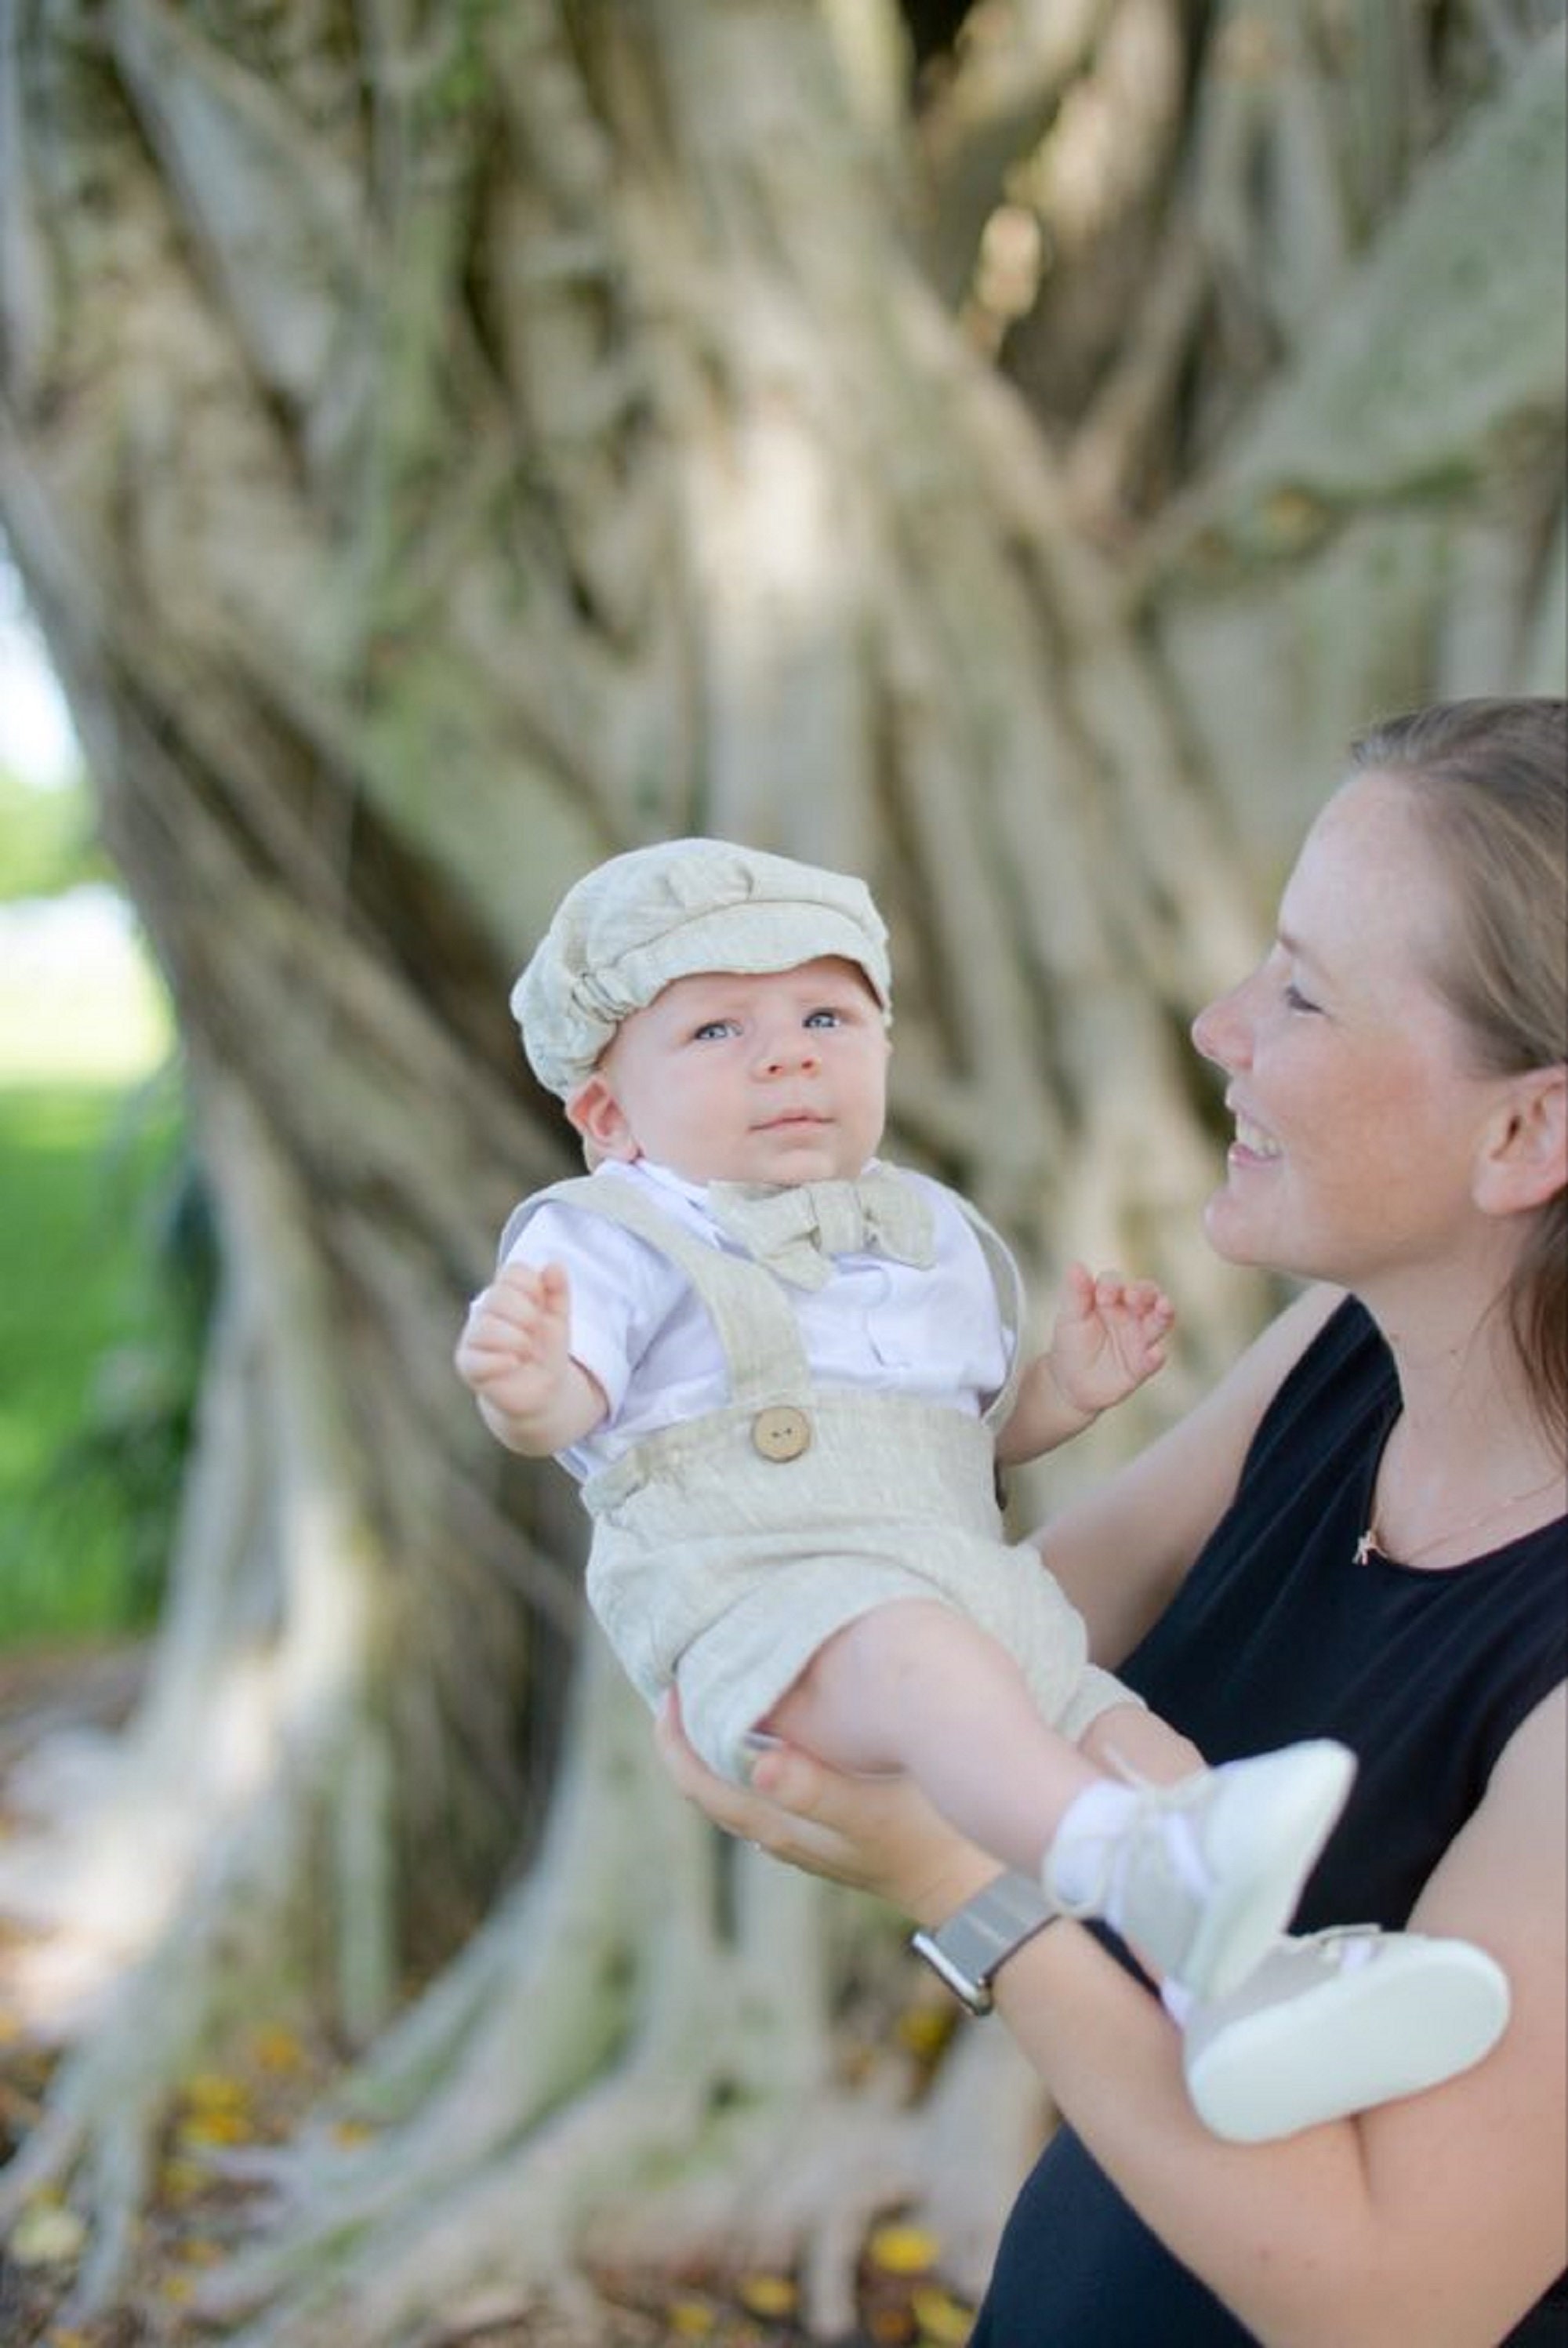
column 1004, row 449
column 105, row 1241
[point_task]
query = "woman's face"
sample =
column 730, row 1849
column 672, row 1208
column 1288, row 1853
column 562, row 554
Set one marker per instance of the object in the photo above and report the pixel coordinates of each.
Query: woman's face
column 1358, row 1110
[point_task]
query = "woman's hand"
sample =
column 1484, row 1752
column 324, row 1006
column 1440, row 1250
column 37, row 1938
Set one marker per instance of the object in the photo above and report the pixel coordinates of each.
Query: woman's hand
column 877, row 1834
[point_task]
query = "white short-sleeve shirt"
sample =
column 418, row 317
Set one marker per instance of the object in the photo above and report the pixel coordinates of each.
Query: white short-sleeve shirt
column 638, row 1329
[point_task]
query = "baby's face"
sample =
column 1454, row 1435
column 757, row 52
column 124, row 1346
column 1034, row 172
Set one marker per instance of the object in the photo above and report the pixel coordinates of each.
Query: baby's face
column 776, row 1078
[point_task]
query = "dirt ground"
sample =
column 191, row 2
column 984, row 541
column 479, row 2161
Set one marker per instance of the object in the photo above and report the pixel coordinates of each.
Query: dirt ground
column 903, row 2302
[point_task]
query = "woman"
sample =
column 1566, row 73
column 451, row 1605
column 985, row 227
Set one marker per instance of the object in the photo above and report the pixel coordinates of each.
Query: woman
column 1360, row 1534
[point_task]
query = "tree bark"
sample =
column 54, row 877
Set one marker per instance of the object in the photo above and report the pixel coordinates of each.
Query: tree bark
column 447, row 446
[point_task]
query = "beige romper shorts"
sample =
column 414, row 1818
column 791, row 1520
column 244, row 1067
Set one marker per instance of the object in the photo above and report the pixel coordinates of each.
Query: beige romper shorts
column 728, row 1549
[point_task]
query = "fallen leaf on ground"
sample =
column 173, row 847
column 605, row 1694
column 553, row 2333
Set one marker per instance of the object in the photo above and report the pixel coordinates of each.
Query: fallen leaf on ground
column 46, row 2234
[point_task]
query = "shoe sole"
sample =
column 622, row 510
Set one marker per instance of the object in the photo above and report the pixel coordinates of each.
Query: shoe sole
column 1237, row 1931
column 1405, row 2021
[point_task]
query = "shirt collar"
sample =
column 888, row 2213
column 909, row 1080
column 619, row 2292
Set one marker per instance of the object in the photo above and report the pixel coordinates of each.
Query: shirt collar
column 664, row 1178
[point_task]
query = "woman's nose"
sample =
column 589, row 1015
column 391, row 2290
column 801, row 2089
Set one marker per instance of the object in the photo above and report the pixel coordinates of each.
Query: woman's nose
column 1219, row 1031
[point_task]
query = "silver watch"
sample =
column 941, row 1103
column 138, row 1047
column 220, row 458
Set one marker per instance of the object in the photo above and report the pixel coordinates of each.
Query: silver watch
column 969, row 1950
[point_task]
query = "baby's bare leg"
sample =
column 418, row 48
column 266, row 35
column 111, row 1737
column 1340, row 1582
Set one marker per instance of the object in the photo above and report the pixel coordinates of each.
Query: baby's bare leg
column 1129, row 1743
column 916, row 1687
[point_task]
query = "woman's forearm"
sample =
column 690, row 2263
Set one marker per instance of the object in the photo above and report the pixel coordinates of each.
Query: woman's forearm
column 1436, row 2218
column 1428, row 2220
column 1276, row 2231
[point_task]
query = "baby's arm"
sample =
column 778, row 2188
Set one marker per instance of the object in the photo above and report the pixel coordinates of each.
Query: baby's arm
column 1109, row 1337
column 514, row 1356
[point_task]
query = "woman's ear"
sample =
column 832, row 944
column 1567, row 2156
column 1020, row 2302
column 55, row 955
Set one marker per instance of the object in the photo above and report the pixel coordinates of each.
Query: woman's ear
column 599, row 1117
column 1523, row 1160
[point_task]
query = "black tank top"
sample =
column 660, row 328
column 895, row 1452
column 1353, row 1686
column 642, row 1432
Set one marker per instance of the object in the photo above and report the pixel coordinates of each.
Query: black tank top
column 1278, row 1633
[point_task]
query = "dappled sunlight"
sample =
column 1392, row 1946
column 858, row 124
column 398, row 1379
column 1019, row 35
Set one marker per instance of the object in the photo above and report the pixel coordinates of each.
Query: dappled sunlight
column 1112, row 126
column 332, row 1597
column 79, row 999
column 98, row 1845
column 773, row 542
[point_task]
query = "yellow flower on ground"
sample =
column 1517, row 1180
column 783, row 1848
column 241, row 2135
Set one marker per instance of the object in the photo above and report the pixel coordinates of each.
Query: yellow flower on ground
column 690, row 2319
column 903, row 2250
column 945, row 2321
column 768, row 2295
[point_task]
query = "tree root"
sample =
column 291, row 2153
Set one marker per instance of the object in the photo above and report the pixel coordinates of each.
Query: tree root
column 172, row 1923
column 111, row 2092
column 632, row 2065
column 633, row 2059
column 795, row 2188
column 654, row 2171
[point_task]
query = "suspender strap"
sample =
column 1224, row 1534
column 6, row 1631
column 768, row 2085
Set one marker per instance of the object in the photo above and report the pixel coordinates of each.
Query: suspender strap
column 1009, row 1290
column 755, row 1326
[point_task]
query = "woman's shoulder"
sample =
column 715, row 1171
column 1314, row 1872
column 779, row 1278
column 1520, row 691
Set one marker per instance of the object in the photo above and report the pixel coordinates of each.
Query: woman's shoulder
column 1338, row 1332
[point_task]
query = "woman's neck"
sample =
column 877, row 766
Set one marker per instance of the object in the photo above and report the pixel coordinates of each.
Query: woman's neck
column 1469, row 1463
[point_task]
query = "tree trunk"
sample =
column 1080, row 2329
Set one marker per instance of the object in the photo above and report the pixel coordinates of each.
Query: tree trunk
column 445, row 447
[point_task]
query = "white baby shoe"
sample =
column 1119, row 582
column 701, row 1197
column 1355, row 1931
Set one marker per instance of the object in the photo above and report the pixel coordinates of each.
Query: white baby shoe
column 1335, row 2023
column 1200, row 1877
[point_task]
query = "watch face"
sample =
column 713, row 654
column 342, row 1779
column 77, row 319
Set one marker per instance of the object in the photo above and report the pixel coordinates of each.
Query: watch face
column 965, row 1986
column 967, row 1951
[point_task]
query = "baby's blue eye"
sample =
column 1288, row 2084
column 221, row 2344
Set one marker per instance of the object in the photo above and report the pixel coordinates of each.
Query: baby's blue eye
column 712, row 1029
column 824, row 1018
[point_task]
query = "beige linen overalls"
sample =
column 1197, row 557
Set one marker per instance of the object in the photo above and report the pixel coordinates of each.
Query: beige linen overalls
column 727, row 1548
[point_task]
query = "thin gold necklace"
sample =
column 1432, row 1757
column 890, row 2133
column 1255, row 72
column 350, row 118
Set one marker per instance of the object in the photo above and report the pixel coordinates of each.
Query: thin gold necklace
column 1369, row 1541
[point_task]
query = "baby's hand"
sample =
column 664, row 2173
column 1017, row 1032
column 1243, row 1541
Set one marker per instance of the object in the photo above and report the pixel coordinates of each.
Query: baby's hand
column 1109, row 1337
column 514, row 1349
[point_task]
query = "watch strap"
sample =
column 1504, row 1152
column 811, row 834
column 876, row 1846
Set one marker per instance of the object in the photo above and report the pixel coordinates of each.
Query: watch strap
column 970, row 1949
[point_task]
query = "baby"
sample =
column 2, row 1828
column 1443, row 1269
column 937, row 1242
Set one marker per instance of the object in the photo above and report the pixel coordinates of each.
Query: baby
column 785, row 1373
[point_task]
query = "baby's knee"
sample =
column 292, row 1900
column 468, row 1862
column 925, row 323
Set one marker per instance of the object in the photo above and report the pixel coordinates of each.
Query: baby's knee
column 888, row 1645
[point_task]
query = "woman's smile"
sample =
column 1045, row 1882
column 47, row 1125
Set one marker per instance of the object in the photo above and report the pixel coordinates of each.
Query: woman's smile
column 1252, row 1145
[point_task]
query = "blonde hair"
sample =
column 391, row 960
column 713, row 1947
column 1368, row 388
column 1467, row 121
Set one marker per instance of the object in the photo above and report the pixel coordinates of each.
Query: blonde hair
column 1488, row 779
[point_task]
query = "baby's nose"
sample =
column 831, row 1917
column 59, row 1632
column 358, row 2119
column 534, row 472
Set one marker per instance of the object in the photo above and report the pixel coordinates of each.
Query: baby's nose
column 787, row 1052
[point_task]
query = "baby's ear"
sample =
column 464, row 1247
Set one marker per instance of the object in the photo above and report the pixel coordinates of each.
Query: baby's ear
column 595, row 1113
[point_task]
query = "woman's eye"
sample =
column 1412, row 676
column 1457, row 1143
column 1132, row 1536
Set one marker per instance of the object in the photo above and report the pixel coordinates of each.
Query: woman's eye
column 1295, row 1000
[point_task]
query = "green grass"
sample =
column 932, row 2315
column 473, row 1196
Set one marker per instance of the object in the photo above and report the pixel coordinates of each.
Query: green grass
column 102, row 1285
column 94, row 1367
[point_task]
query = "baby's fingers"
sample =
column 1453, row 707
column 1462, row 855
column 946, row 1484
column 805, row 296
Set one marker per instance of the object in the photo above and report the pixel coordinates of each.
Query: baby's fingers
column 554, row 1293
column 1147, row 1302
column 522, row 1295
column 1079, row 1293
column 518, row 1284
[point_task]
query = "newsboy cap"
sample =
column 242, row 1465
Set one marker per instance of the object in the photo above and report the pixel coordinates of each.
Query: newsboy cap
column 630, row 927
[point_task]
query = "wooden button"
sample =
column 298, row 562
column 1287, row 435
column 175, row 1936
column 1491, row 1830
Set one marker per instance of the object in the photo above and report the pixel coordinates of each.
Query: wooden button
column 782, row 1432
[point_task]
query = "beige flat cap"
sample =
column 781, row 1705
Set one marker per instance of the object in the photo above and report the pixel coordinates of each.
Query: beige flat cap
column 623, row 932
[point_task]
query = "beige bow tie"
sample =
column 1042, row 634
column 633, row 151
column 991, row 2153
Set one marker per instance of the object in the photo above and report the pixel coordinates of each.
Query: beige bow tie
column 796, row 1229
